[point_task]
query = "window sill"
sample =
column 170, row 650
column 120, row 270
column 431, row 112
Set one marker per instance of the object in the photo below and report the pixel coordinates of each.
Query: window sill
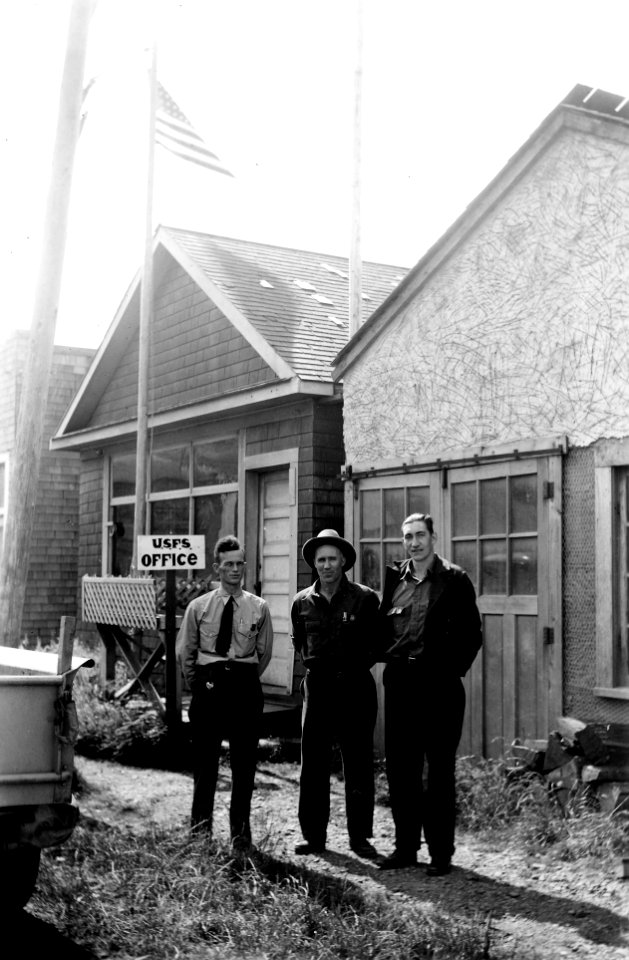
column 612, row 693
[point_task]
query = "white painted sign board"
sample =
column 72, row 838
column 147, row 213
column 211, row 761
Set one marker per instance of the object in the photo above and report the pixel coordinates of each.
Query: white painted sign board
column 171, row 552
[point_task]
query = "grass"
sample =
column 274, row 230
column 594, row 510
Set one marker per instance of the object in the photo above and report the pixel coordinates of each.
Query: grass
column 164, row 895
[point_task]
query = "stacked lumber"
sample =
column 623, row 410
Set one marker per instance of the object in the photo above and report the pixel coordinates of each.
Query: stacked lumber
column 577, row 754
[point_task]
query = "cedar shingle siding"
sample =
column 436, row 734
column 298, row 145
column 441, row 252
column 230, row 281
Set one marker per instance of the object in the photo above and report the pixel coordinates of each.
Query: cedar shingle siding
column 196, row 354
column 53, row 570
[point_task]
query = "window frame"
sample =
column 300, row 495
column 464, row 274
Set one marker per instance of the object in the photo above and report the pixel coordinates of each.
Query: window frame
column 477, row 475
column 4, row 500
column 428, row 479
column 190, row 492
column 611, row 467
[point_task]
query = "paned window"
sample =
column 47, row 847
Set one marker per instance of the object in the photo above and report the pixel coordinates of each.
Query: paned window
column 494, row 533
column 381, row 512
column 193, row 488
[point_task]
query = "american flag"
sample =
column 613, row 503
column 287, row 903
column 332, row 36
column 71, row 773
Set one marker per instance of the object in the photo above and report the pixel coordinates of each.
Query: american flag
column 174, row 131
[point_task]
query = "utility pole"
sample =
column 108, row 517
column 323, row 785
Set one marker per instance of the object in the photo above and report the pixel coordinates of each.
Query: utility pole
column 25, row 461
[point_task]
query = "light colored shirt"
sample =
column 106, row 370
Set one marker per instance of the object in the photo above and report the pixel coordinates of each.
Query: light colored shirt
column 252, row 631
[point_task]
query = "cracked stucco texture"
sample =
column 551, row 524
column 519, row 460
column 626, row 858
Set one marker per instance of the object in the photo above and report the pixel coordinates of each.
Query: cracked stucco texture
column 523, row 332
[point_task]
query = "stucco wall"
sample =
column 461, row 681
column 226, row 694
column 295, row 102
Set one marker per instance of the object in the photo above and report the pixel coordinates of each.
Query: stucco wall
column 524, row 331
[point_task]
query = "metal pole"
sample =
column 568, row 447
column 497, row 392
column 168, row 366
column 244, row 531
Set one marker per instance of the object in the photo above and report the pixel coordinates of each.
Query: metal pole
column 146, row 310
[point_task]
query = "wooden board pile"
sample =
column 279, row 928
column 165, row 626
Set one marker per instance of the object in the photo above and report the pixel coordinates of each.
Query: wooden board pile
column 579, row 755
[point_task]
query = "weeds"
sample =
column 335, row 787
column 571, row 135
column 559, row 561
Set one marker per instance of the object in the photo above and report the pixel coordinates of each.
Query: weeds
column 489, row 799
column 486, row 798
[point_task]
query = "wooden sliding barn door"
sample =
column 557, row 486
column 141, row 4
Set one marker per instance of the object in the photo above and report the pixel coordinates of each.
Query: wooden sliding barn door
column 503, row 526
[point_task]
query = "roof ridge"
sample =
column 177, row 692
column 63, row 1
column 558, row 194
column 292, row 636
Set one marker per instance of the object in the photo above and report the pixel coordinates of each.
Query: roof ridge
column 273, row 246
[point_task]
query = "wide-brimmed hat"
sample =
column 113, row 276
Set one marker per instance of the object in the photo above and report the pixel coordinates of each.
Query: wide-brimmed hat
column 332, row 538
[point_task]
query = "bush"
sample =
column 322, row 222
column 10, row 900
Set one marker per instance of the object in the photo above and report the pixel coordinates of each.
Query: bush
column 131, row 733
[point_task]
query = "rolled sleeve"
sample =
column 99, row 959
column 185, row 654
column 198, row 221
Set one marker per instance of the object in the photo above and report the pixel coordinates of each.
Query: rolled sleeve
column 187, row 645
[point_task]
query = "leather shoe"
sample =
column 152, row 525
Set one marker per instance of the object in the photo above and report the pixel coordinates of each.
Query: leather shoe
column 305, row 848
column 398, row 860
column 438, row 868
column 362, row 848
column 241, row 846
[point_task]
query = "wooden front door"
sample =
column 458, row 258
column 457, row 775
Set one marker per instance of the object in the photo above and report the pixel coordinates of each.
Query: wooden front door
column 275, row 542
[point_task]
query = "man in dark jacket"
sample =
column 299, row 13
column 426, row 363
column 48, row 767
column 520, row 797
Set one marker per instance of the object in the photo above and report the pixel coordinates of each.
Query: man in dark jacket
column 335, row 629
column 433, row 635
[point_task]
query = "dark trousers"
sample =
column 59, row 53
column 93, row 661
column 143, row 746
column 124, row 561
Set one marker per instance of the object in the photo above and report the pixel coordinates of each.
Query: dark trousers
column 423, row 724
column 230, row 709
column 338, row 708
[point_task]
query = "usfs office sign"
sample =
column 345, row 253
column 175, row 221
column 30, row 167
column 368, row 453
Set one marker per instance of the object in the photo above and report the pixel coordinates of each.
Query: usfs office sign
column 171, row 553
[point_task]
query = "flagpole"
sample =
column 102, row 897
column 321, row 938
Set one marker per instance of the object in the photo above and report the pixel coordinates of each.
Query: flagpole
column 355, row 265
column 146, row 311
column 29, row 435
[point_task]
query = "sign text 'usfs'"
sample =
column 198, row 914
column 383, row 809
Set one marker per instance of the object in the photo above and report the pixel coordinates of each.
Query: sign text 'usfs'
column 171, row 552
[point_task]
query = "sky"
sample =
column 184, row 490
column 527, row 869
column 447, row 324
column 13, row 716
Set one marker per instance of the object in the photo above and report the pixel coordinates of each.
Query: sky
column 450, row 90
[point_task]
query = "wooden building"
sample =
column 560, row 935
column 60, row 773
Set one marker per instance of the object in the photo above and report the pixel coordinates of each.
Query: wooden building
column 245, row 421
column 51, row 589
column 491, row 388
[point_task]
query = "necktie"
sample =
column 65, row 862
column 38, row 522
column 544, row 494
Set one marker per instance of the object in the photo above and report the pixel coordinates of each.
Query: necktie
column 224, row 637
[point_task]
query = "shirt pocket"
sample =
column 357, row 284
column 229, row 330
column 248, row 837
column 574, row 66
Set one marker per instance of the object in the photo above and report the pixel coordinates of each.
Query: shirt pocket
column 398, row 619
column 396, row 611
column 247, row 634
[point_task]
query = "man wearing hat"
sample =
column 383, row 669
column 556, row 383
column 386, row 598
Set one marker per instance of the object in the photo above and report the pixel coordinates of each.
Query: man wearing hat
column 335, row 630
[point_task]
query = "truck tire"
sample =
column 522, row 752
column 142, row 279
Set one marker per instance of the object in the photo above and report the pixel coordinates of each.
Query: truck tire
column 19, row 867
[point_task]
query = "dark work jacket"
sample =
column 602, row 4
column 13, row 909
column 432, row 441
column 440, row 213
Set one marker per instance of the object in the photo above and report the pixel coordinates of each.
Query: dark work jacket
column 452, row 629
column 341, row 634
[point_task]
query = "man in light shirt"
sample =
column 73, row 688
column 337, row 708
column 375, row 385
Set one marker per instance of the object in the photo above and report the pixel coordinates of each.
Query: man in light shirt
column 224, row 645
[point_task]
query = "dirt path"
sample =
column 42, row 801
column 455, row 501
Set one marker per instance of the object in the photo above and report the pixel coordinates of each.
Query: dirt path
column 537, row 907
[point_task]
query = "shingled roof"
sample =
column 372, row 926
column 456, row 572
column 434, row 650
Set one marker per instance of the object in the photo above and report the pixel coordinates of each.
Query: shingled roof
column 291, row 306
column 297, row 300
